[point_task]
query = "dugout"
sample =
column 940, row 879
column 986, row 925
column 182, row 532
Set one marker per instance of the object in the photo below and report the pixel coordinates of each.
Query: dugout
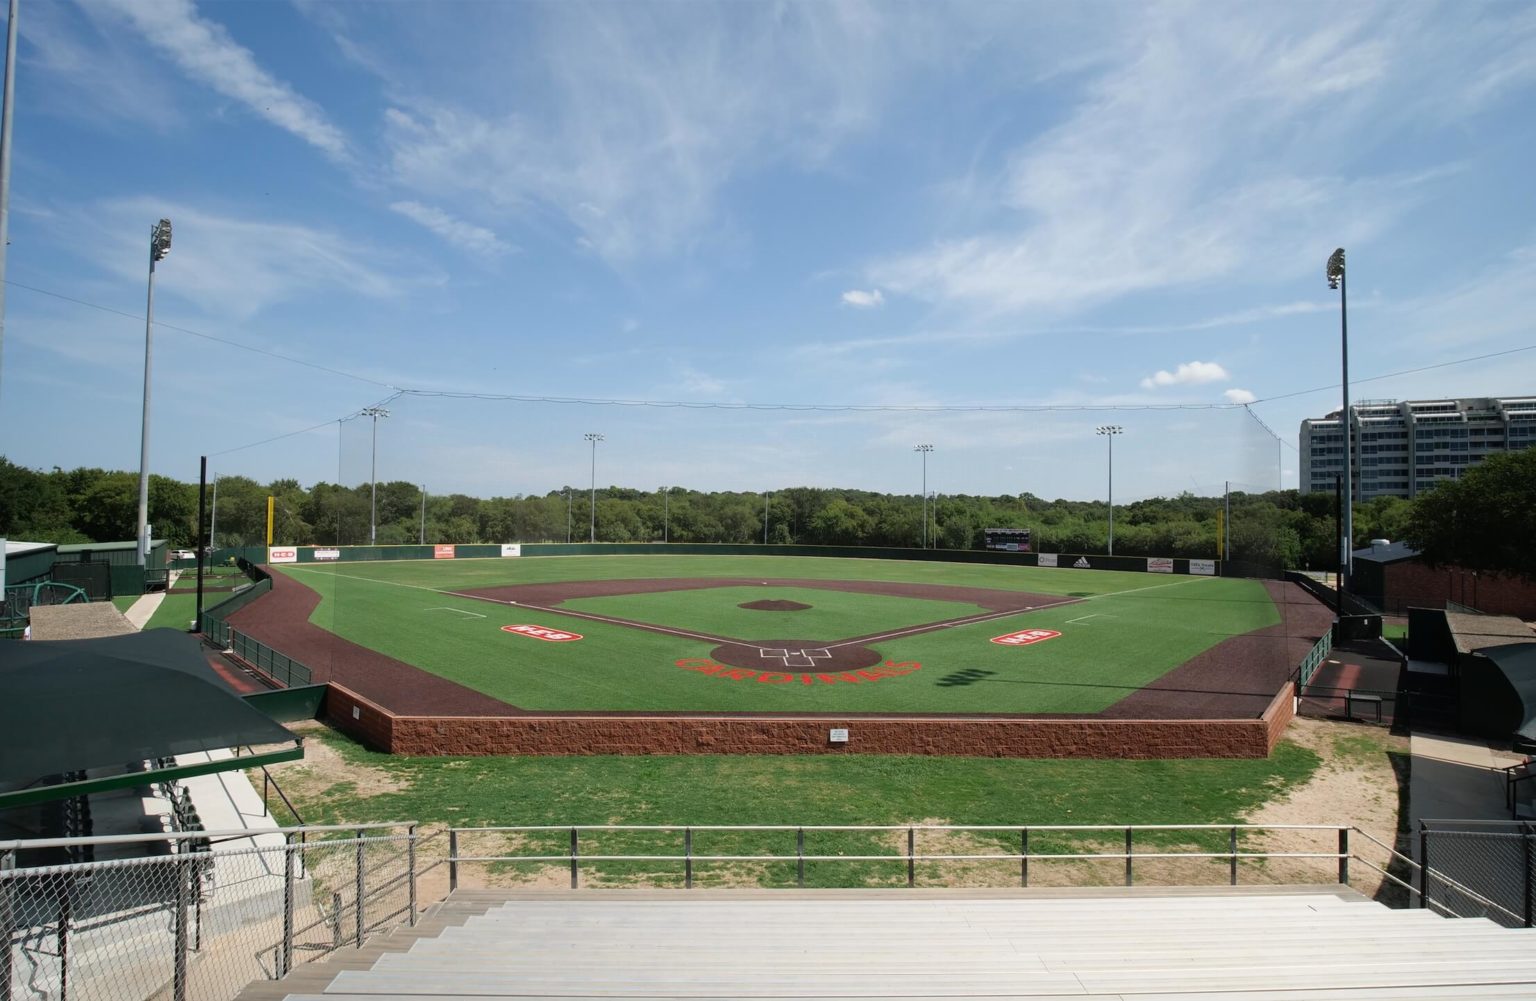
column 82, row 717
column 122, row 559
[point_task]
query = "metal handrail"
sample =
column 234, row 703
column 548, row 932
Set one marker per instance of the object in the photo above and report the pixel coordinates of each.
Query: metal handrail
column 232, row 833
column 1119, row 828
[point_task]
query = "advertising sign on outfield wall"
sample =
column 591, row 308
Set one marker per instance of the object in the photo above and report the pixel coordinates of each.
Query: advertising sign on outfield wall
column 511, row 549
column 1047, row 560
column 442, row 552
column 284, row 554
column 327, row 554
column 1159, row 564
column 1204, row 567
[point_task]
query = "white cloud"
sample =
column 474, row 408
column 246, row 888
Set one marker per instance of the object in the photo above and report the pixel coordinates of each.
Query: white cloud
column 1190, row 373
column 233, row 267
column 1190, row 158
column 1239, row 396
column 864, row 300
column 464, row 235
column 205, row 52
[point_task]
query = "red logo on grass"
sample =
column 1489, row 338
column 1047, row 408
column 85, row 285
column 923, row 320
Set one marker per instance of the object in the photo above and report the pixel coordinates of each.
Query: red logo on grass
column 1024, row 637
column 541, row 633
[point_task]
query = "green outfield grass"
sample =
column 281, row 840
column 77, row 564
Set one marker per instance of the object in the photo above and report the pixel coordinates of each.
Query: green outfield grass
column 1129, row 630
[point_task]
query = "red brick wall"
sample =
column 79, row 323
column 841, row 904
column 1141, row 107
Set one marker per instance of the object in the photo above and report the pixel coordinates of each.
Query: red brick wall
column 1410, row 583
column 1023, row 738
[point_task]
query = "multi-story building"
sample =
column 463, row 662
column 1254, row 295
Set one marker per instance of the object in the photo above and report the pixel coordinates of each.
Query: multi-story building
column 1403, row 448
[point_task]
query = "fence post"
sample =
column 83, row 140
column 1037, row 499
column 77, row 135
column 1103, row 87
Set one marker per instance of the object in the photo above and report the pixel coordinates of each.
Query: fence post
column 911, row 856
column 1525, row 843
column 183, row 900
column 359, row 889
column 1423, row 865
column 1232, row 848
column 285, row 952
column 575, row 850
column 410, row 866
column 453, row 859
column 800, row 856
column 63, row 937
column 1128, row 877
column 1024, row 856
column 1344, row 855
column 687, row 858
column 7, row 921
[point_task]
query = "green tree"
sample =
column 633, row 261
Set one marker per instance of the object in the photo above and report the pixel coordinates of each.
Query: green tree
column 1485, row 521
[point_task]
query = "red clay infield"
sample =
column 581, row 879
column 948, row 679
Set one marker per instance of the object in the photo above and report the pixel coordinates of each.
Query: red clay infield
column 1236, row 679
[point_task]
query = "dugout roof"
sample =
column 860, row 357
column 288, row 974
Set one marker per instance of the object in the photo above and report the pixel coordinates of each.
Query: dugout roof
column 1518, row 665
column 104, row 705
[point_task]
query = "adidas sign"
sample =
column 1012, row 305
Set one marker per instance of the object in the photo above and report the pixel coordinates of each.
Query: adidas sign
column 1082, row 564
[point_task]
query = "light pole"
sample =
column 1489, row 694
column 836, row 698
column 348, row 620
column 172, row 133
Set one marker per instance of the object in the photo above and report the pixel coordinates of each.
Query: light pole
column 1109, row 431
column 924, row 449
column 1346, row 543
column 213, row 518
column 423, row 540
column 373, row 475
column 7, row 105
column 594, row 438
column 766, row 494
column 159, row 246
column 567, row 516
column 666, row 530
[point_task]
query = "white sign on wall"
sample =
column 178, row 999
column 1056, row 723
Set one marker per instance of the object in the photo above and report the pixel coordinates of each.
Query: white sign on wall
column 838, row 736
column 327, row 554
column 511, row 549
column 1204, row 567
column 1159, row 564
column 1047, row 559
column 282, row 554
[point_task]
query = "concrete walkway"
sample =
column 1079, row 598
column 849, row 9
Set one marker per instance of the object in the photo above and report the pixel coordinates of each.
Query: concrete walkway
column 140, row 611
column 1456, row 778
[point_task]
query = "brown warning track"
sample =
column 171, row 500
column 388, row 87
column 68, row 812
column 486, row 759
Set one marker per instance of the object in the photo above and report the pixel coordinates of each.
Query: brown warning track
column 1235, row 679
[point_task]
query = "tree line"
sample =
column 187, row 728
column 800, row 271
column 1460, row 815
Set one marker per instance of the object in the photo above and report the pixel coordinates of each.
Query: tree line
column 1275, row 528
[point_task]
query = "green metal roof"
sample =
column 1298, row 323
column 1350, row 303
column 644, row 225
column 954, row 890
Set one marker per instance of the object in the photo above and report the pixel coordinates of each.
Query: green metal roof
column 106, row 547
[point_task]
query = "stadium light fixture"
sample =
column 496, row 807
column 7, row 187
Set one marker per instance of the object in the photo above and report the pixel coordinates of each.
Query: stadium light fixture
column 1337, row 282
column 373, row 474
column 1109, row 431
column 594, row 438
column 159, row 247
column 924, row 449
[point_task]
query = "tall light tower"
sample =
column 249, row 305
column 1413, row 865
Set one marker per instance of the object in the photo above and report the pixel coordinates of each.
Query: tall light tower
column 373, row 474
column 567, row 515
column 924, row 449
column 159, row 246
column 1346, row 544
column 1109, row 431
column 666, row 533
column 594, row 438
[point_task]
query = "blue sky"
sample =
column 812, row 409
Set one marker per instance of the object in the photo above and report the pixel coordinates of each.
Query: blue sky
column 870, row 204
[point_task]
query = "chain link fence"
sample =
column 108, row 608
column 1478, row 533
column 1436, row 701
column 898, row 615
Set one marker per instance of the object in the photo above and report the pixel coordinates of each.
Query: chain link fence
column 1475, row 869
column 193, row 917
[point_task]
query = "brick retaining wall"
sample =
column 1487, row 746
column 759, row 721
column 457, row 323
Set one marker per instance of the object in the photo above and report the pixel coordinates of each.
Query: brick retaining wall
column 636, row 734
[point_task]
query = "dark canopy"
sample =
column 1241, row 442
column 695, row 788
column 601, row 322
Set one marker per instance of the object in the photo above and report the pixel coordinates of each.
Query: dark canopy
column 1517, row 663
column 72, row 705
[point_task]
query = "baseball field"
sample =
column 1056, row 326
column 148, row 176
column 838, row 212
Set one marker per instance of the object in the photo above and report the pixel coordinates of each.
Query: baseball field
column 786, row 635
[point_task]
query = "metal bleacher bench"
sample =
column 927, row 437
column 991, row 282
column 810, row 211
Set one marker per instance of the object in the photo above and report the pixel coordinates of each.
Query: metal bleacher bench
column 1351, row 698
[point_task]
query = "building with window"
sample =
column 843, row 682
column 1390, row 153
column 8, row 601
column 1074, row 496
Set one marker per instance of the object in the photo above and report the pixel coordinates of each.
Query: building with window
column 1402, row 448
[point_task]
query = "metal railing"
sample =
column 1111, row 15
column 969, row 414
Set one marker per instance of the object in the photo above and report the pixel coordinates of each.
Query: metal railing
column 280, row 667
column 1479, row 868
column 195, row 916
column 1313, row 660
column 1222, row 844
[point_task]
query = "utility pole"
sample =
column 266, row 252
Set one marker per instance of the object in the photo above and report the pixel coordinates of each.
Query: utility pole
column 594, row 438
column 924, row 449
column 1109, row 431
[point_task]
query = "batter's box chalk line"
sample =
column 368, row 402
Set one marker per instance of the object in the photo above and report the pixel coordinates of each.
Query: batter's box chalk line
column 460, row 611
column 796, row 658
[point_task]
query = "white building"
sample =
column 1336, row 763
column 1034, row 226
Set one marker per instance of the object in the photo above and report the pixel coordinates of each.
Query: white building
column 1403, row 448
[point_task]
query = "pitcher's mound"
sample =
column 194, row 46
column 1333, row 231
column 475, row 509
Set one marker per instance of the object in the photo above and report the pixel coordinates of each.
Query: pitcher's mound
column 774, row 606
column 795, row 655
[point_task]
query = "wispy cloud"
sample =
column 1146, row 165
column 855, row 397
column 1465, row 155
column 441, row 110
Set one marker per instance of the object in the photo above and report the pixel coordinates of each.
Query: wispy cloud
column 1177, row 157
column 205, row 52
column 1190, row 373
column 862, row 299
column 464, row 235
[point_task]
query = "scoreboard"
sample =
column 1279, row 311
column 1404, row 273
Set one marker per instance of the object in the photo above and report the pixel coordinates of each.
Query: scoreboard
column 1010, row 540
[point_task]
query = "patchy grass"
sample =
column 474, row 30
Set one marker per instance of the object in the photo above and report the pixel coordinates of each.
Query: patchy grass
column 343, row 782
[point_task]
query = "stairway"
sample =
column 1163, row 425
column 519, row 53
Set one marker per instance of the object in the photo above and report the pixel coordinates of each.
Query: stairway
column 1257, row 944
